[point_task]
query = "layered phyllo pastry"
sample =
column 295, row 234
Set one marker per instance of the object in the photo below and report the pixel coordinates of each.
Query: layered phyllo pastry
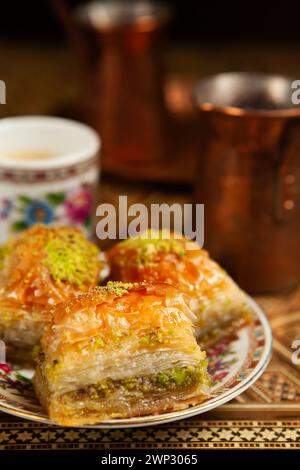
column 120, row 351
column 218, row 304
column 39, row 269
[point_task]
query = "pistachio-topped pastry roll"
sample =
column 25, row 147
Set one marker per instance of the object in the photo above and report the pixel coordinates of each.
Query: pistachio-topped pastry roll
column 39, row 269
column 219, row 305
column 120, row 351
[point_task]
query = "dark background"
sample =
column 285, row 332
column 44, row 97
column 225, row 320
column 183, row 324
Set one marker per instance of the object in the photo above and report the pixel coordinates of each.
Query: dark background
column 193, row 20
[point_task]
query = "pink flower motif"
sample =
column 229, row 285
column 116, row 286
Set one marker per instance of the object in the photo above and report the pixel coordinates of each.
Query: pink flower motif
column 79, row 205
column 216, row 350
column 5, row 368
column 218, row 377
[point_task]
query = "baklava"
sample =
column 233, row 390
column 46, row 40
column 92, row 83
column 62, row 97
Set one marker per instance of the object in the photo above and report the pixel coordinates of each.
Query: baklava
column 120, row 351
column 41, row 268
column 218, row 304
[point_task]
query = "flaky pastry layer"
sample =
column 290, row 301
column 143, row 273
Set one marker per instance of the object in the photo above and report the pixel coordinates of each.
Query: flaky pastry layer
column 120, row 351
column 41, row 268
column 215, row 299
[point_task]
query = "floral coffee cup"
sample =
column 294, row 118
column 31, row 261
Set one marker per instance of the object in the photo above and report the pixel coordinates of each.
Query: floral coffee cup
column 49, row 172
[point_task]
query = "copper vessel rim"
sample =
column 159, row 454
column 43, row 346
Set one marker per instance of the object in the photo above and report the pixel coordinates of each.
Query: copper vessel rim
column 244, row 112
column 240, row 111
column 146, row 22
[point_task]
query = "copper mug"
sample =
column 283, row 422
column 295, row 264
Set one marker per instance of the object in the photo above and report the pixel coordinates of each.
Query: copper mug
column 249, row 177
column 120, row 44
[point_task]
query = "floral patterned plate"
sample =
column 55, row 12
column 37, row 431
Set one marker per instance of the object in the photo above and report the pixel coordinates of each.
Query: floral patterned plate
column 235, row 363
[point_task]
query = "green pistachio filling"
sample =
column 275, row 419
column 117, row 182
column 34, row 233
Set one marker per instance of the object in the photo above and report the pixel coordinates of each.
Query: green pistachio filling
column 71, row 258
column 171, row 379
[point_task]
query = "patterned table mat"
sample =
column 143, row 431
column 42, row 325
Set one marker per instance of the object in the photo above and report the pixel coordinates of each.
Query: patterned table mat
column 277, row 393
column 187, row 434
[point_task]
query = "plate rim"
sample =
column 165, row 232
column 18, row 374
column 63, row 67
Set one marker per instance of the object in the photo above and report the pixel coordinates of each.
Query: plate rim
column 151, row 420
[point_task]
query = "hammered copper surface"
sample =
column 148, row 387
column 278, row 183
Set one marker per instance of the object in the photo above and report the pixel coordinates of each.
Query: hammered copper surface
column 248, row 178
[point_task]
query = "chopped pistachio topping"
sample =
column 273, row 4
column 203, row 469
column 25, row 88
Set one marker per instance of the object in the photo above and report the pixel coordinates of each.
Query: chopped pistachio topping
column 121, row 288
column 71, row 258
column 149, row 245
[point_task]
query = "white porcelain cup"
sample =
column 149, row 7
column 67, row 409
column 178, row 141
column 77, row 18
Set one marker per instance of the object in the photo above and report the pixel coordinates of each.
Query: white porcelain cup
column 49, row 172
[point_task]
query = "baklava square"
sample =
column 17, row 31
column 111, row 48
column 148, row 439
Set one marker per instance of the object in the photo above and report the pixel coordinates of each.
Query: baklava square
column 38, row 269
column 219, row 306
column 120, row 351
